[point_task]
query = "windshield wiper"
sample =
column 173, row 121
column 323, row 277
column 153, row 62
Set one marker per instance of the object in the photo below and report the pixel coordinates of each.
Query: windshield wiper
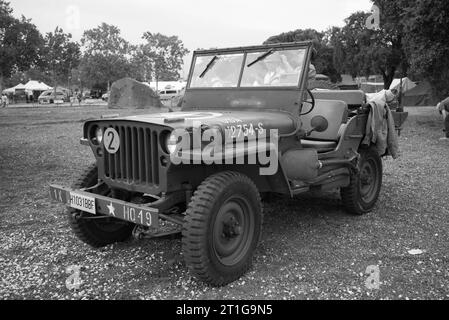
column 260, row 58
column 209, row 66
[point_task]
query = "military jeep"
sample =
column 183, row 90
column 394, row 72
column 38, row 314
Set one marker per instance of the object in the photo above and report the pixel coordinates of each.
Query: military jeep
column 248, row 127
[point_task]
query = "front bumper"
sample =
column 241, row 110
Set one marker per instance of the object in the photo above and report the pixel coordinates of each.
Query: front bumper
column 106, row 206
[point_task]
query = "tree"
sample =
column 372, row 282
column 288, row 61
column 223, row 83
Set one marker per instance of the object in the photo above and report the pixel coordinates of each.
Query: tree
column 323, row 60
column 106, row 56
column 426, row 42
column 142, row 65
column 61, row 55
column 389, row 43
column 164, row 56
column 34, row 73
column 361, row 51
column 20, row 43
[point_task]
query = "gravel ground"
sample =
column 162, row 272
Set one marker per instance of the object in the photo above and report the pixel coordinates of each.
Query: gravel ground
column 310, row 249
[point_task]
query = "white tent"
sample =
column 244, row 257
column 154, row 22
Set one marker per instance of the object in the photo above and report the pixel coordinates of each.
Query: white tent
column 33, row 85
column 13, row 89
column 9, row 90
column 407, row 84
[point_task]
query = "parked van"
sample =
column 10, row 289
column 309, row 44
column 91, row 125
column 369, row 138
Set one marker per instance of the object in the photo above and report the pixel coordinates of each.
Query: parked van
column 49, row 96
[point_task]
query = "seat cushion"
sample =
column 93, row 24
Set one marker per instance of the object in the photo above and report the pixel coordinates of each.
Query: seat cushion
column 353, row 98
column 320, row 146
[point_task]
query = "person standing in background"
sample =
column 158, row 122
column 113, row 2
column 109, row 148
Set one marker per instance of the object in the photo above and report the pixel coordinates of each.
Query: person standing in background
column 443, row 108
column 80, row 97
column 4, row 101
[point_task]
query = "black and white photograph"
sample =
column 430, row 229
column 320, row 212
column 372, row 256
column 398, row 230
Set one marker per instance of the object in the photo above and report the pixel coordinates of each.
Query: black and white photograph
column 224, row 156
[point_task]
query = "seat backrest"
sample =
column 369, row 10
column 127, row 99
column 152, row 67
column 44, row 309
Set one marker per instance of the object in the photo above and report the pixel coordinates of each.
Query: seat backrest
column 336, row 114
column 353, row 98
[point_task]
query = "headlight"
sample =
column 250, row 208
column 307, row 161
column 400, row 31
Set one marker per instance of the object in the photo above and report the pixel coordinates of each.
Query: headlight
column 171, row 143
column 99, row 135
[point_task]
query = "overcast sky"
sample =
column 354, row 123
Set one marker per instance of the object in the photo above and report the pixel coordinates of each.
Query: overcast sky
column 198, row 23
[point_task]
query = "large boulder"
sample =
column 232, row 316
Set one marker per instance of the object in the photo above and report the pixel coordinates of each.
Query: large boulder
column 129, row 93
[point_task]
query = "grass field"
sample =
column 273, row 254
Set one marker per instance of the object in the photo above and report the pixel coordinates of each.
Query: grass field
column 310, row 248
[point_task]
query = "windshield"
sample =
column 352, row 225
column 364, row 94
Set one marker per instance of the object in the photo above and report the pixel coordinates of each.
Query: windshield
column 279, row 69
column 266, row 68
column 217, row 71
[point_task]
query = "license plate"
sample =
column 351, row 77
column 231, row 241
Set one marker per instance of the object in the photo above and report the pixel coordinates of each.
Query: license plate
column 101, row 205
column 82, row 202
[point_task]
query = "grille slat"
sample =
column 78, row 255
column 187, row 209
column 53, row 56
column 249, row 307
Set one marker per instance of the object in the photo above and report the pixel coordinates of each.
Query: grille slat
column 147, row 154
column 135, row 155
column 128, row 154
column 141, row 148
column 137, row 158
column 123, row 152
column 155, row 155
column 117, row 161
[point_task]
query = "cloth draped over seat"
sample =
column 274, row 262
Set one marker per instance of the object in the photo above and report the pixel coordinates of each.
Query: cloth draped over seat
column 380, row 127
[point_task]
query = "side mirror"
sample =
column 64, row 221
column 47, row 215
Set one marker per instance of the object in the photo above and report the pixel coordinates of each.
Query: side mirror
column 319, row 124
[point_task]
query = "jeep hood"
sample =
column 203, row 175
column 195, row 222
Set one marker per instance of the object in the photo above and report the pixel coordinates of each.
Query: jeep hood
column 282, row 121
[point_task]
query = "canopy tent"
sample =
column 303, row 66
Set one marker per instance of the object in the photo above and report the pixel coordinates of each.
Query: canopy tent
column 9, row 90
column 33, row 85
column 407, row 84
column 13, row 89
column 421, row 95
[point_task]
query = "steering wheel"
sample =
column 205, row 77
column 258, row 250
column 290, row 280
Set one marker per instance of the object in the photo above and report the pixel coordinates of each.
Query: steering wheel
column 310, row 101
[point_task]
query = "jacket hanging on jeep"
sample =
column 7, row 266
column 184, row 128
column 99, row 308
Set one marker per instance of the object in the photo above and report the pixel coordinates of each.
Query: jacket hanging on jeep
column 380, row 129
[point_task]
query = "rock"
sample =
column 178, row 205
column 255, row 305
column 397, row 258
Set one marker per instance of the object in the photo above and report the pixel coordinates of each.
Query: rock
column 129, row 93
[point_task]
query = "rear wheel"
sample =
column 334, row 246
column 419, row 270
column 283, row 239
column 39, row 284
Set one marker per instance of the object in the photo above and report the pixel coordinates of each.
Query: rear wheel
column 361, row 195
column 96, row 232
column 222, row 228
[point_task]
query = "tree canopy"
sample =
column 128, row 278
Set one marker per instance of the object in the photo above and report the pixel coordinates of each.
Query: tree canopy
column 164, row 54
column 323, row 61
column 109, row 57
column 20, row 43
column 60, row 55
column 426, row 44
column 106, row 55
column 361, row 51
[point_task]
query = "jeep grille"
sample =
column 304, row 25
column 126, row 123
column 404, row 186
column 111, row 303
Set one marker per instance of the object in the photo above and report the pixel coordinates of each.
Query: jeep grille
column 136, row 161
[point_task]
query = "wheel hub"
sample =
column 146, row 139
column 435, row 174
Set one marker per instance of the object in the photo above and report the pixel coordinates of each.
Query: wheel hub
column 231, row 230
column 367, row 180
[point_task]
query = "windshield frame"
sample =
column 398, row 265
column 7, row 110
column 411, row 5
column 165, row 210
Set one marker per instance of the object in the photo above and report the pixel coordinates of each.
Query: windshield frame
column 306, row 46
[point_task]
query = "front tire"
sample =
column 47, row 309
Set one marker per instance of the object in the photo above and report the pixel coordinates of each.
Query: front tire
column 222, row 228
column 361, row 195
column 96, row 232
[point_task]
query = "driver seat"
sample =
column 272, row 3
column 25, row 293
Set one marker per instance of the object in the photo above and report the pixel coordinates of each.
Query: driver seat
column 336, row 113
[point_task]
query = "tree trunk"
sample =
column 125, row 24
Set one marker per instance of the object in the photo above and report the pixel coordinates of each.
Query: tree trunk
column 54, row 82
column 388, row 78
column 1, row 83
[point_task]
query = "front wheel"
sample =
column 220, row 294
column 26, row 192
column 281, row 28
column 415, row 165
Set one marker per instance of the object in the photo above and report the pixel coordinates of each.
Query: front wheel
column 96, row 232
column 222, row 228
column 361, row 195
